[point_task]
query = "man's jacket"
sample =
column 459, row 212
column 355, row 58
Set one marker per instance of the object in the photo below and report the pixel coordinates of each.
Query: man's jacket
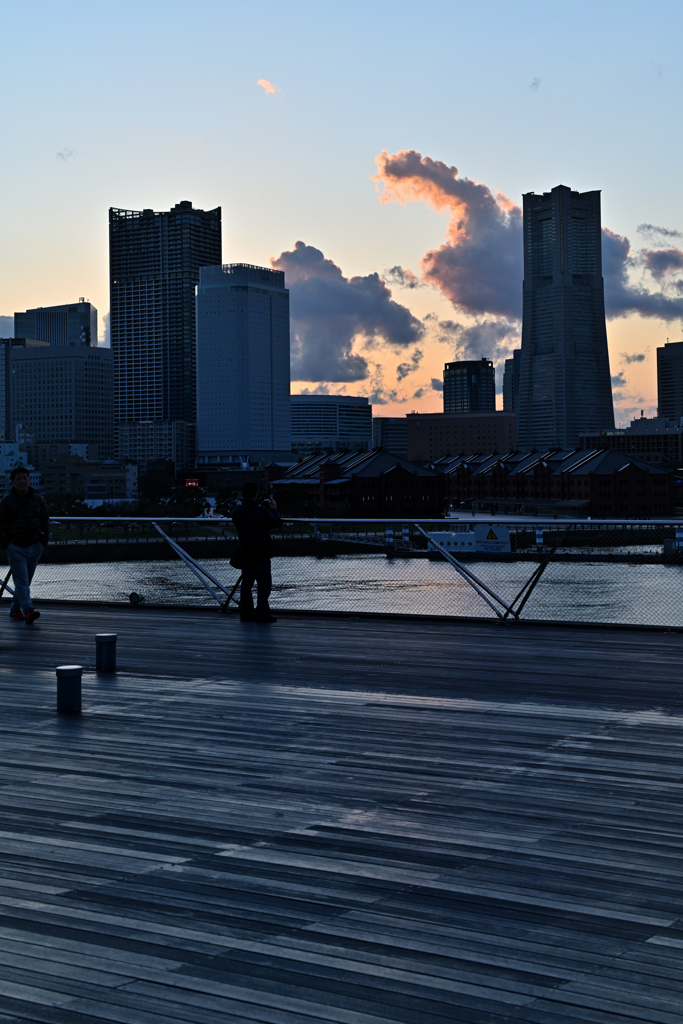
column 24, row 519
column 254, row 523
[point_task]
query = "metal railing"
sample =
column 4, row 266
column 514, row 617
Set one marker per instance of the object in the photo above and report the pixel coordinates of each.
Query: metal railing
column 616, row 571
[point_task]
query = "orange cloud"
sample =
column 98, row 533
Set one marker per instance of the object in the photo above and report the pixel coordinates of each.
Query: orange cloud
column 266, row 85
column 479, row 268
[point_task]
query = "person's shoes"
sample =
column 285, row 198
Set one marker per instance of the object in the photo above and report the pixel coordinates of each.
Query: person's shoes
column 247, row 617
column 31, row 617
column 16, row 613
column 267, row 617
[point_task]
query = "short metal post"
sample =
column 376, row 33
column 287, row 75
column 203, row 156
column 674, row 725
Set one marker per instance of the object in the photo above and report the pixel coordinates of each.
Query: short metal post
column 69, row 689
column 105, row 652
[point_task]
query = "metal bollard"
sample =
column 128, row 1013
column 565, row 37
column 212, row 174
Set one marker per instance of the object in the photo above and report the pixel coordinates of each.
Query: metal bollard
column 105, row 652
column 69, row 689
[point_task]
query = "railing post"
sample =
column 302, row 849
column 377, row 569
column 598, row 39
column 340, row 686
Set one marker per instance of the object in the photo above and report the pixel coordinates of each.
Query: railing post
column 69, row 689
column 105, row 652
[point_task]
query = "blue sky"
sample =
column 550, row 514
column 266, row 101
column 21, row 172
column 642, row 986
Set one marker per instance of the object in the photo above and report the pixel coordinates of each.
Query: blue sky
column 143, row 104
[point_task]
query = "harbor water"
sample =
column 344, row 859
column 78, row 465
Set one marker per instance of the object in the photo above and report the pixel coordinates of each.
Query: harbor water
column 620, row 592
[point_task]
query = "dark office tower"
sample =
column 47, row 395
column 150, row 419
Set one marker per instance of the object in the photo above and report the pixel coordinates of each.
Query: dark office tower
column 511, row 382
column 670, row 380
column 6, row 380
column 469, row 386
column 154, row 261
column 62, row 394
column 71, row 324
column 565, row 381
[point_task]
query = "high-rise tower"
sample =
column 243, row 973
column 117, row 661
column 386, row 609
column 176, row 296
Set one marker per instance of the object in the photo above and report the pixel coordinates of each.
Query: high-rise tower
column 565, row 380
column 243, row 405
column 469, row 386
column 154, row 261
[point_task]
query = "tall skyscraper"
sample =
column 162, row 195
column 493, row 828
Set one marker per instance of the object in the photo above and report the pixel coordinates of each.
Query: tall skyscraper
column 670, row 380
column 243, row 408
column 71, row 324
column 469, row 386
column 154, row 261
column 511, row 375
column 565, row 380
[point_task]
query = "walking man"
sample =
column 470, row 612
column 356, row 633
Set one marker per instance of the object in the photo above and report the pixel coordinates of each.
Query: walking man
column 254, row 522
column 24, row 533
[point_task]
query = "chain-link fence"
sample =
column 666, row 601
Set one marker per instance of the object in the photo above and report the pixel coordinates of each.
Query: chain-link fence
column 584, row 571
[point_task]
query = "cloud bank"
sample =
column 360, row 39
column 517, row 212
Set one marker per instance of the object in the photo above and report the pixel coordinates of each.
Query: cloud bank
column 480, row 268
column 330, row 313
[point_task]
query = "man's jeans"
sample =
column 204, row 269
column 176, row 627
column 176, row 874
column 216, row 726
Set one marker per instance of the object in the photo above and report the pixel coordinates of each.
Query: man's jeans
column 259, row 574
column 23, row 562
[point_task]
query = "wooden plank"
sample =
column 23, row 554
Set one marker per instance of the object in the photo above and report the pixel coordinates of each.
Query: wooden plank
column 355, row 821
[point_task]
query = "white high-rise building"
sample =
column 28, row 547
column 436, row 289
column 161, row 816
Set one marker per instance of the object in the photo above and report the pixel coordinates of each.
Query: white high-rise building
column 243, row 405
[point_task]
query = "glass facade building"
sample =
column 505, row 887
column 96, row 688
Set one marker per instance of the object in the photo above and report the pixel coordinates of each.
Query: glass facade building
column 331, row 423
column 565, row 382
column 154, row 261
column 469, row 386
column 243, row 406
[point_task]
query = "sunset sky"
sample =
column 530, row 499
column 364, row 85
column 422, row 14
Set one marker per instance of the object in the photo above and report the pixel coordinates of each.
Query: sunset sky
column 376, row 153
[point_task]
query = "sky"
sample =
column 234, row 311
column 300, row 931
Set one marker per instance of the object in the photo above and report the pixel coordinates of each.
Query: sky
column 376, row 153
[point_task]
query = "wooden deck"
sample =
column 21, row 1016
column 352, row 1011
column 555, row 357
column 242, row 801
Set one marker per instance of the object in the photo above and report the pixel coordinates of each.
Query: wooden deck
column 336, row 820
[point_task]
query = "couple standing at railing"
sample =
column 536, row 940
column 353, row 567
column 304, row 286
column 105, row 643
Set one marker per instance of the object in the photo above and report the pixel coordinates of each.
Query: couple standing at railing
column 24, row 534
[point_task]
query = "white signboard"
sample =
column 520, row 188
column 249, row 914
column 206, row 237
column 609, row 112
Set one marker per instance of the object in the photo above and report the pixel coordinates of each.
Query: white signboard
column 483, row 537
column 495, row 539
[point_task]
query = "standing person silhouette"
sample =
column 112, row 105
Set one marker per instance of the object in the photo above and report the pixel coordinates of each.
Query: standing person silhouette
column 254, row 522
column 24, row 533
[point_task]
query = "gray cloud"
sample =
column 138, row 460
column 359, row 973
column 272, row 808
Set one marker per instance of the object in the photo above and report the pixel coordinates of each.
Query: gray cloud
column 65, row 154
column 493, row 338
column 6, row 326
column 403, row 369
column 402, row 278
column 322, row 389
column 535, row 83
column 378, row 393
column 661, row 262
column 329, row 311
column 420, row 393
column 437, row 385
column 651, row 230
column 618, row 380
column 622, row 297
column 635, row 357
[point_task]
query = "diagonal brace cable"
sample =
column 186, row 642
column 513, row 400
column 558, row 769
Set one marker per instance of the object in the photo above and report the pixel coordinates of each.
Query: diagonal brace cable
column 468, row 576
column 196, row 567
